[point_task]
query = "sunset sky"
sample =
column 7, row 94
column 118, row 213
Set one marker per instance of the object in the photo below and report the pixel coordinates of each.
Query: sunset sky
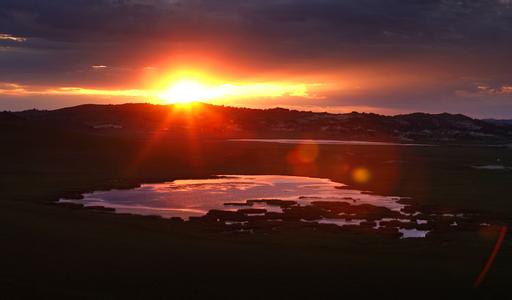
column 384, row 56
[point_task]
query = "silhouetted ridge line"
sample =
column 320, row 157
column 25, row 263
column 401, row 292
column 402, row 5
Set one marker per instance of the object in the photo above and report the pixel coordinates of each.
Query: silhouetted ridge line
column 212, row 121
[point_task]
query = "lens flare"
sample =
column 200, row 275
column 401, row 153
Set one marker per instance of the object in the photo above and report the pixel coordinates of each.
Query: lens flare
column 361, row 175
column 304, row 154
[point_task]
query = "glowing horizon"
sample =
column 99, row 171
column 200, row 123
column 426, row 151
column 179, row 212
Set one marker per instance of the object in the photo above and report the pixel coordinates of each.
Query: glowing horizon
column 180, row 87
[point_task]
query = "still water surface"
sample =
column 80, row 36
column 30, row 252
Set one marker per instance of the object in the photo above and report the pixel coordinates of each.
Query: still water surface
column 195, row 197
column 326, row 142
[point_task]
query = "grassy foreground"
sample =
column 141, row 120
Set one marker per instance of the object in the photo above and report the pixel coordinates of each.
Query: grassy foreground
column 57, row 251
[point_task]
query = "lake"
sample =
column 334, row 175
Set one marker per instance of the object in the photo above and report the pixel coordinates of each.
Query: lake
column 327, row 142
column 263, row 194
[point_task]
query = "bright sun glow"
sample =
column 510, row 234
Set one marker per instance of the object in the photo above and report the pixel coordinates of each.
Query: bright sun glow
column 186, row 91
column 183, row 87
column 192, row 90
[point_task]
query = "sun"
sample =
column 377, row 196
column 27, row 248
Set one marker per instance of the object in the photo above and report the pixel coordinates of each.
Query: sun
column 187, row 91
column 187, row 86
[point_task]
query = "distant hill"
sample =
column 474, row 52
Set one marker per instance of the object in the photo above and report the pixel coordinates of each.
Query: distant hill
column 498, row 122
column 210, row 121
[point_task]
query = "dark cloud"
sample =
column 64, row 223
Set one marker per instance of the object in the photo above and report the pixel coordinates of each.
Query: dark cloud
column 363, row 22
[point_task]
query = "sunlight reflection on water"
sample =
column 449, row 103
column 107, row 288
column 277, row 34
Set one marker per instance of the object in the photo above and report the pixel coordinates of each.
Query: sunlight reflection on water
column 195, row 197
column 328, row 142
column 230, row 193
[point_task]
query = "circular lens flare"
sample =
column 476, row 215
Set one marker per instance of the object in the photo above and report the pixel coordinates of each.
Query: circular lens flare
column 361, row 175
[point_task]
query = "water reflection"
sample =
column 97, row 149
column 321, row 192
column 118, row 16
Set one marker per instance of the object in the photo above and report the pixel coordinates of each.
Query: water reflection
column 238, row 200
column 195, row 197
column 326, row 142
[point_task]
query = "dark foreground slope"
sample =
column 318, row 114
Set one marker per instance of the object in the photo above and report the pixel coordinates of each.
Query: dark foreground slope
column 230, row 122
column 52, row 250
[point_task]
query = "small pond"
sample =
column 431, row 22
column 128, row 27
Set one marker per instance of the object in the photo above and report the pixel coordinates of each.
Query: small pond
column 269, row 197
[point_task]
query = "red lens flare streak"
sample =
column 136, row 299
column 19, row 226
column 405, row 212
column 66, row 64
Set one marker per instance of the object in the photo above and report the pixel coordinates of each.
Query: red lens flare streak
column 492, row 257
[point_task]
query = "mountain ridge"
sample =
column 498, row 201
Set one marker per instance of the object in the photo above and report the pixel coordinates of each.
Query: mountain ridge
column 234, row 122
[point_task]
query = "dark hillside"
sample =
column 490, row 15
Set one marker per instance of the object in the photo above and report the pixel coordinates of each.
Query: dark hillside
column 229, row 122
